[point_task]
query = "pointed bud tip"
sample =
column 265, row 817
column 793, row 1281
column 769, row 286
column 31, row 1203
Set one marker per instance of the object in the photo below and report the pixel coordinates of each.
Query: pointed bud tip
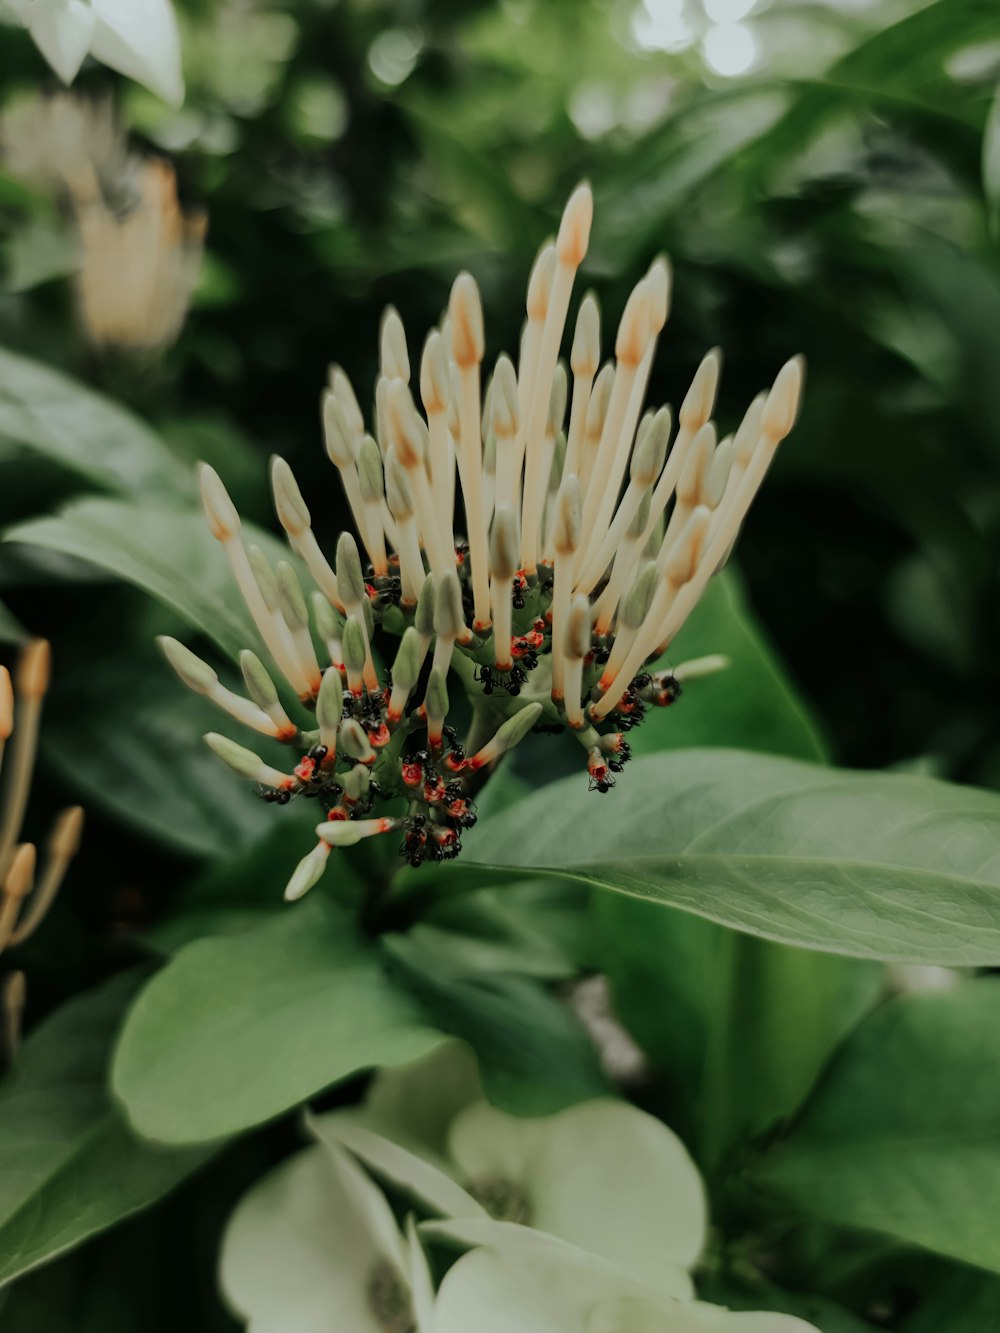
column 574, row 229
column 223, row 520
column 465, row 312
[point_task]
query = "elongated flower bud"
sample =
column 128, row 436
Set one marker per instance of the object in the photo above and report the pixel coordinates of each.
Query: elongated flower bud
column 505, row 542
column 220, row 511
column 574, row 229
column 355, row 743
column 290, row 597
column 196, row 674
column 434, row 391
column 569, row 509
column 329, row 709
column 449, row 617
column 509, row 734
column 289, row 505
column 246, row 763
column 336, row 432
column 395, row 358
column 586, row 354
column 355, row 648
column 307, row 873
column 370, row 470
column 636, row 604
column 349, row 577
column 406, row 667
column 345, row 833
column 465, row 311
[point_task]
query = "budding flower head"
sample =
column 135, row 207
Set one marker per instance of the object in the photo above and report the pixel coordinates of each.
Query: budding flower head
column 534, row 546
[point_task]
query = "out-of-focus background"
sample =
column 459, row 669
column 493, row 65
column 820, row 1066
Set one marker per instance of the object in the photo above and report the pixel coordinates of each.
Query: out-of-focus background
column 815, row 171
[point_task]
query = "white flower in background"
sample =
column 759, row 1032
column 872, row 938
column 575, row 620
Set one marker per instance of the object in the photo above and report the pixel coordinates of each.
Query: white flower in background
column 138, row 38
column 314, row 1245
column 139, row 253
column 586, row 1221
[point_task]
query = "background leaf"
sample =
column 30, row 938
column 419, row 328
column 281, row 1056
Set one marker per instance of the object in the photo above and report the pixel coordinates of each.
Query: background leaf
column 69, row 1168
column 902, row 1137
column 875, row 866
column 238, row 1028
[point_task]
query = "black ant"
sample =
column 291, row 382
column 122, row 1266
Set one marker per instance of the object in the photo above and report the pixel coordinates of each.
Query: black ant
column 280, row 796
column 485, row 675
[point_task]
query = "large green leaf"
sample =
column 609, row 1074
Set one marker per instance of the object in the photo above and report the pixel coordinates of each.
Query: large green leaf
column 69, row 424
column 740, row 1027
column 534, row 1057
column 169, row 554
column 239, row 1028
column 872, row 865
column 750, row 705
column 903, row 1137
column 69, row 1167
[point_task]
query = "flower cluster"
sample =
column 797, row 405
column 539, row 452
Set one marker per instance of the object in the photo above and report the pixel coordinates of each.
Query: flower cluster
column 587, row 1220
column 24, row 897
column 543, row 562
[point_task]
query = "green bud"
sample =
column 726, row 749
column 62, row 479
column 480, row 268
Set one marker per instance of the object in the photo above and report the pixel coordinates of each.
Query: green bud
column 397, row 488
column 356, row 783
column 329, row 703
column 336, row 431
column 423, row 617
column 355, row 649
column 714, row 485
column 505, row 543
column 354, row 741
column 291, row 509
column 449, row 616
column 350, row 579
column 196, row 674
column 370, row 470
column 264, row 575
column 240, row 760
column 558, row 462
column 260, row 686
column 329, row 621
column 291, row 598
column 307, row 873
column 517, row 727
column 406, row 668
column 651, row 449
column 639, row 597
column 436, row 700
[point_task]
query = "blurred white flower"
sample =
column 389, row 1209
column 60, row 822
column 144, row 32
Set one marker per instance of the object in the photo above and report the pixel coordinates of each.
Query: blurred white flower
column 314, row 1245
column 139, row 252
column 138, row 38
column 581, row 1222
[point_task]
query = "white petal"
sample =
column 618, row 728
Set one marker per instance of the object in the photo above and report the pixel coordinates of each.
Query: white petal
column 139, row 38
column 541, row 1287
column 603, row 1175
column 515, row 1241
column 412, row 1175
column 303, row 1244
column 415, row 1104
column 711, row 1319
column 63, row 31
column 421, row 1282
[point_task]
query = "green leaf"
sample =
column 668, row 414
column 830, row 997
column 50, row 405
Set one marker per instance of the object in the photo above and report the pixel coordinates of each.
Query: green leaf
column 169, row 554
column 751, row 705
column 69, row 1168
column 757, row 1294
column 991, row 162
column 871, row 865
column 903, row 1137
column 742, row 1027
column 69, row 424
column 11, row 629
column 238, row 1028
column 128, row 737
column 956, row 1298
column 534, row 1057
